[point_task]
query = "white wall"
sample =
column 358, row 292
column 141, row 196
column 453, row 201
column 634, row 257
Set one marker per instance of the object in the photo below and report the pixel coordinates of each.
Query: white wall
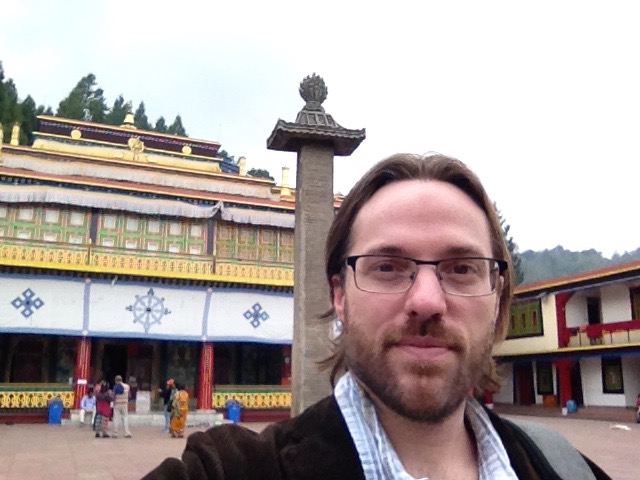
column 616, row 303
column 505, row 395
column 591, row 371
column 576, row 309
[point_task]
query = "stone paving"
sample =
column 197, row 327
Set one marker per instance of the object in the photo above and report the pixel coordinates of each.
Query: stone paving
column 50, row 452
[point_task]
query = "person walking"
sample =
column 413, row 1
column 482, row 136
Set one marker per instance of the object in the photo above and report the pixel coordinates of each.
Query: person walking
column 121, row 407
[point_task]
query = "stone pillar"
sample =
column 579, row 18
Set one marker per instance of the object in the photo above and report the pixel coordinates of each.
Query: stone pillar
column 316, row 137
column 82, row 369
column 205, row 377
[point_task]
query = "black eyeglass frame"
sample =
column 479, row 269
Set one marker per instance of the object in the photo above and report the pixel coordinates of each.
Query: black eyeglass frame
column 502, row 267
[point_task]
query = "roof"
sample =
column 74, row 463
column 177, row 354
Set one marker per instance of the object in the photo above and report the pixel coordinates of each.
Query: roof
column 584, row 279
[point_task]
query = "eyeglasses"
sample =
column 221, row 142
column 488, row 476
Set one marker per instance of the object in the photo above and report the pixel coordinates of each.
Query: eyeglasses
column 463, row 276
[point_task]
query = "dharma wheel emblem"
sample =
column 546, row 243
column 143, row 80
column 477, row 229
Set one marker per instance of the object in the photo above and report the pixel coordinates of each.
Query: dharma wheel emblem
column 148, row 310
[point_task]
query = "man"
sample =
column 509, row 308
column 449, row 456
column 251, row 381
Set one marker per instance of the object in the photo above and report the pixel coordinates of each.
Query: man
column 420, row 283
column 166, row 394
column 121, row 407
column 87, row 405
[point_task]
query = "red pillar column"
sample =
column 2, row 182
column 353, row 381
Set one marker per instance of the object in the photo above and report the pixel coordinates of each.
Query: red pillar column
column 205, row 384
column 564, row 380
column 561, row 318
column 82, row 369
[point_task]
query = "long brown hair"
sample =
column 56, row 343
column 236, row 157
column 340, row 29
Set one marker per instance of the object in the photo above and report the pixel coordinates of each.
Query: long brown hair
column 415, row 167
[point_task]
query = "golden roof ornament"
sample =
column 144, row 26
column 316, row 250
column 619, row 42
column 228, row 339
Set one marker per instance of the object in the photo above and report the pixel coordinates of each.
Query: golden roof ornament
column 128, row 118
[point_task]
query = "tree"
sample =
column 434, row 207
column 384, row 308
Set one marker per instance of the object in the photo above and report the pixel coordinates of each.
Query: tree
column 29, row 120
column 177, row 128
column 117, row 113
column 161, row 125
column 516, row 259
column 84, row 102
column 225, row 156
column 140, row 119
column 260, row 173
column 10, row 111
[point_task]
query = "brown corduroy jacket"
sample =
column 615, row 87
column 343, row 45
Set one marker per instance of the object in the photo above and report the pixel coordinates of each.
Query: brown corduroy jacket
column 316, row 445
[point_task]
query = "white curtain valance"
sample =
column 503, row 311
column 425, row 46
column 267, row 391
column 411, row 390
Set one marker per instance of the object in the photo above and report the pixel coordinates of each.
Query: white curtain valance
column 258, row 217
column 107, row 201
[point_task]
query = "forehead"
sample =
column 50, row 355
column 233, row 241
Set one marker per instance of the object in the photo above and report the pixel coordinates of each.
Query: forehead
column 421, row 217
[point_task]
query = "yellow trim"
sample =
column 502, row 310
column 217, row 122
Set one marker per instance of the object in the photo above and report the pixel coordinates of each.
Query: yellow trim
column 262, row 400
column 573, row 349
column 136, row 265
column 34, row 399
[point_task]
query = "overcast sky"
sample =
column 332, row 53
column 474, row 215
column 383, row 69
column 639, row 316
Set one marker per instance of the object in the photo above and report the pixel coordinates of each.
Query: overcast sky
column 541, row 99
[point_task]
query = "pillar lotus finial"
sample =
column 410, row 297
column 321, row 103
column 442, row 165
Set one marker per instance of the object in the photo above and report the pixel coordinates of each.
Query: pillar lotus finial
column 314, row 92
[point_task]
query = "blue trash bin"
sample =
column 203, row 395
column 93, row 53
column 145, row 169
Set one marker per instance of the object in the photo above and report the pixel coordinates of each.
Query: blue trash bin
column 233, row 410
column 54, row 410
column 571, row 406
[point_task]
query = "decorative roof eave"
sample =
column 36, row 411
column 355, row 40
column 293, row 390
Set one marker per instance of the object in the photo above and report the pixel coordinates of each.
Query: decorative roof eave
column 257, row 217
column 101, row 126
column 289, row 136
column 621, row 271
column 123, row 164
column 158, row 190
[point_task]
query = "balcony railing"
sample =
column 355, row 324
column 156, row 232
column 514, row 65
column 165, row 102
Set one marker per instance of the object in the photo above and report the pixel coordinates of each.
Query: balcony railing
column 617, row 333
column 91, row 258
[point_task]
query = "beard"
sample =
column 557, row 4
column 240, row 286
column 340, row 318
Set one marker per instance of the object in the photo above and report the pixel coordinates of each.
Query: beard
column 423, row 391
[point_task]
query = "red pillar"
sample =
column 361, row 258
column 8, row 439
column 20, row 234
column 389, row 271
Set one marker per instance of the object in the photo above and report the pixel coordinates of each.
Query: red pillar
column 564, row 380
column 82, row 369
column 561, row 318
column 205, row 384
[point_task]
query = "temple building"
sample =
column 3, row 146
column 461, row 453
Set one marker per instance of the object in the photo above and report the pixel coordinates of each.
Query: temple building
column 142, row 254
column 574, row 338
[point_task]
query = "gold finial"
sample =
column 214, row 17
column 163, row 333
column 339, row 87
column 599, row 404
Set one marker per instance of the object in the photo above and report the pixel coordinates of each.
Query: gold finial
column 242, row 164
column 15, row 134
column 128, row 118
column 285, row 190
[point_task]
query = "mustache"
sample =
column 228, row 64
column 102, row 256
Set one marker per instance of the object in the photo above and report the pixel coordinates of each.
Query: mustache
column 423, row 328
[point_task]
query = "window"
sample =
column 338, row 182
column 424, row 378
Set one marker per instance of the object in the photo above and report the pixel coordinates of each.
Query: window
column 174, row 248
column 108, row 242
column 153, row 226
column 132, row 224
column 50, row 236
column 25, row 213
column 525, row 319
column 175, row 228
column 23, row 234
column 154, row 246
column 76, row 239
column 195, row 250
column 3, row 211
column 196, row 231
column 612, row 375
column 131, row 244
column 544, row 378
column 109, row 221
column 77, row 219
column 51, row 216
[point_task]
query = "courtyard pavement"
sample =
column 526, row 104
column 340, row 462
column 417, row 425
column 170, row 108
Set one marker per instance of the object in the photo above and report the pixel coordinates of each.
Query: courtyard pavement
column 51, row 452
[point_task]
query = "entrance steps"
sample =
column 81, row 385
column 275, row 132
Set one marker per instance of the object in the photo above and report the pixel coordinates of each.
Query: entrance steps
column 195, row 418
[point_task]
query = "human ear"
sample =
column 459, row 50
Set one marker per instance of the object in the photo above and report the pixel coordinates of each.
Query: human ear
column 337, row 289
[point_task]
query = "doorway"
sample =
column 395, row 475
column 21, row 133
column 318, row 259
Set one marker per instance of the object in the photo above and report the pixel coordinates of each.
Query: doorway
column 523, row 379
column 114, row 362
column 576, row 384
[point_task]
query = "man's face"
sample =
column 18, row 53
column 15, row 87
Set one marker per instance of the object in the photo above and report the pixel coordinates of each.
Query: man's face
column 420, row 352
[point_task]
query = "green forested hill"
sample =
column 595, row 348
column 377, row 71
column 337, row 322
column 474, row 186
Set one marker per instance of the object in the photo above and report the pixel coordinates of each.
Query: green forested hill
column 558, row 261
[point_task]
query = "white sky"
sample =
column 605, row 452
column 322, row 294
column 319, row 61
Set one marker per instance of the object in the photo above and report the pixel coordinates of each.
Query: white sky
column 541, row 99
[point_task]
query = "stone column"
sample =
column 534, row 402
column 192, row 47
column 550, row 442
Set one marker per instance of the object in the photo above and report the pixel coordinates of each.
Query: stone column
column 82, row 369
column 316, row 137
column 205, row 377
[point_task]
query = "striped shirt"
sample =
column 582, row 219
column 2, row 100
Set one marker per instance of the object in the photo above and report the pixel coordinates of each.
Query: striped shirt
column 378, row 457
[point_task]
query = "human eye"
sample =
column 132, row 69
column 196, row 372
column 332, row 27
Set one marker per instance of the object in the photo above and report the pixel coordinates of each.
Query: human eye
column 383, row 267
column 462, row 268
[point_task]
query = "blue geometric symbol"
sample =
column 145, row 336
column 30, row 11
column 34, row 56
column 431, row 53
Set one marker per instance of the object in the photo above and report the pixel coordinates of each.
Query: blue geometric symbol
column 148, row 310
column 255, row 314
column 27, row 303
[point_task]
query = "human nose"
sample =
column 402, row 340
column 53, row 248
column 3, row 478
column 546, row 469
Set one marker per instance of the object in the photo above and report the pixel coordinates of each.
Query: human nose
column 426, row 297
